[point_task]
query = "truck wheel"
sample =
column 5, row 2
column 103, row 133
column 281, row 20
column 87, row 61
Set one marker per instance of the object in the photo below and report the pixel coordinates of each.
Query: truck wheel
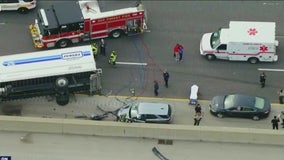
column 210, row 57
column 23, row 10
column 63, row 43
column 253, row 60
column 63, row 99
column 61, row 82
column 115, row 33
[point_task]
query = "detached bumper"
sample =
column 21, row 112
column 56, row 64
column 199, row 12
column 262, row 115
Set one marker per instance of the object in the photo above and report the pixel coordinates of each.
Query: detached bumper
column 35, row 36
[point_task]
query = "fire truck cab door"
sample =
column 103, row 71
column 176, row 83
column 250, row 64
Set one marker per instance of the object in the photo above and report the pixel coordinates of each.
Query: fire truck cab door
column 87, row 29
column 134, row 26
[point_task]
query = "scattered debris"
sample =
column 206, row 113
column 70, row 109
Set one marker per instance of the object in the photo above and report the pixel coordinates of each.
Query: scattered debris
column 26, row 138
column 159, row 154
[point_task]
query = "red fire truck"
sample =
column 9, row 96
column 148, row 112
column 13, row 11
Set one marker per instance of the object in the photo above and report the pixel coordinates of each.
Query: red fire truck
column 63, row 24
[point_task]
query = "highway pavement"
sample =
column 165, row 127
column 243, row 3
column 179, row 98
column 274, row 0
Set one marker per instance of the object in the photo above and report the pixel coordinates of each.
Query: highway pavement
column 172, row 22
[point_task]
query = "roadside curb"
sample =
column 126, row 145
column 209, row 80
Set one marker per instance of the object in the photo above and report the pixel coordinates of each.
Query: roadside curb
column 141, row 130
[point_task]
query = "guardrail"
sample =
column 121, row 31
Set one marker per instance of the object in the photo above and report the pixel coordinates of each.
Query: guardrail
column 141, row 130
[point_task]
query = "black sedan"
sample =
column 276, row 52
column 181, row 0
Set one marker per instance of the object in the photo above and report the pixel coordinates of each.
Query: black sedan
column 239, row 105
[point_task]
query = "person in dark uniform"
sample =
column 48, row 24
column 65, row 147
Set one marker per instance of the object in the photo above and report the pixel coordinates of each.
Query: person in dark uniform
column 197, row 119
column 275, row 122
column 103, row 47
column 262, row 79
column 166, row 76
column 156, row 88
column 198, row 108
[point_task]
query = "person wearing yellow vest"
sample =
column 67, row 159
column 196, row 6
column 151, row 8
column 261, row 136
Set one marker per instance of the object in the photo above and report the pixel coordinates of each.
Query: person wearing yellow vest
column 94, row 49
column 112, row 58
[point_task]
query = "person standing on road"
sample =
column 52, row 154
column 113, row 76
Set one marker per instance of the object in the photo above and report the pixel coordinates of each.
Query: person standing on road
column 281, row 116
column 197, row 119
column 94, row 49
column 275, row 122
column 176, row 50
column 166, row 76
column 262, row 79
column 156, row 88
column 198, row 108
column 281, row 96
column 103, row 47
column 180, row 53
column 112, row 58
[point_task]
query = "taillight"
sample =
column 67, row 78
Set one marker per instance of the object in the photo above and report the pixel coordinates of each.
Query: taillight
column 266, row 112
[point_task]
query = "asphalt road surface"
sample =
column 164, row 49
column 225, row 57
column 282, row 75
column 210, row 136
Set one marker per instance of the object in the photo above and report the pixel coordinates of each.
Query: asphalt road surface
column 172, row 22
column 74, row 147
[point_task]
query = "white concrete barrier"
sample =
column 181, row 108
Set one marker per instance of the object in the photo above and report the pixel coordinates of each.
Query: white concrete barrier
column 156, row 131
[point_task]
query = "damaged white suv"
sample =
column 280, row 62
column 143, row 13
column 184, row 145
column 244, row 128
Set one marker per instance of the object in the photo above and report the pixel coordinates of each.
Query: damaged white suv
column 146, row 112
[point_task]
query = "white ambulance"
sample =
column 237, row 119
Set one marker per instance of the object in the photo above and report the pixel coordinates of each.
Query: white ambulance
column 22, row 6
column 242, row 41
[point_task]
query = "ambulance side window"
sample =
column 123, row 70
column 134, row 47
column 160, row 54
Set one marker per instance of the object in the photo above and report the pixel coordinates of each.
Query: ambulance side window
column 222, row 47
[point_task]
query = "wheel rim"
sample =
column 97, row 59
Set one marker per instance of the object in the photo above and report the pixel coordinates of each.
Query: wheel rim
column 62, row 43
column 219, row 115
column 116, row 34
column 253, row 60
column 210, row 57
column 255, row 118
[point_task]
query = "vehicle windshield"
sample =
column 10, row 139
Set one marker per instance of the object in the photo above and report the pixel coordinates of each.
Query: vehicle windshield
column 40, row 21
column 259, row 103
column 133, row 111
column 229, row 101
column 215, row 39
column 43, row 29
column 236, row 100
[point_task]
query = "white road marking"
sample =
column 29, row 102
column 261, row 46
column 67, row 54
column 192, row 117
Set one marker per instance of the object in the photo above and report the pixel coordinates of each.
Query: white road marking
column 273, row 70
column 131, row 63
column 270, row 3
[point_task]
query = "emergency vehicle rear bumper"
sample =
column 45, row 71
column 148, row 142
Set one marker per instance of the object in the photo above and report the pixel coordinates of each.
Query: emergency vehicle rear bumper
column 35, row 36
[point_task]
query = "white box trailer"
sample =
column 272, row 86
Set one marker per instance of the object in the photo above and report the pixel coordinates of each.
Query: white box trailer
column 242, row 41
column 58, row 73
